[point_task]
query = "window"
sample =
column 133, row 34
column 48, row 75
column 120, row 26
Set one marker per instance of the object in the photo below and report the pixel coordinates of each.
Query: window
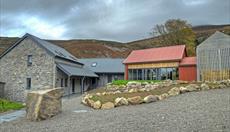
column 94, row 64
column 29, row 60
column 62, row 82
column 28, row 83
column 66, row 82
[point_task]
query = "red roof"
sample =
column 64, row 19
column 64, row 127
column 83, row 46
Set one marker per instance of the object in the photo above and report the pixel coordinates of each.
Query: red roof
column 188, row 61
column 170, row 53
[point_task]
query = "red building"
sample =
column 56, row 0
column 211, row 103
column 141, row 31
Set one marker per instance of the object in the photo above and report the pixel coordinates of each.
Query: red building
column 160, row 63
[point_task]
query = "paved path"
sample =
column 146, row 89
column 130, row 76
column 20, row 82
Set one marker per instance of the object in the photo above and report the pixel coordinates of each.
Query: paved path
column 206, row 111
column 12, row 116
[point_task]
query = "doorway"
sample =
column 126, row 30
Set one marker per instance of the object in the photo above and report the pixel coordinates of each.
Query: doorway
column 73, row 85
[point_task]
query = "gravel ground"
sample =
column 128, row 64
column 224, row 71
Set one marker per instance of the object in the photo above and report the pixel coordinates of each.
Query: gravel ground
column 193, row 112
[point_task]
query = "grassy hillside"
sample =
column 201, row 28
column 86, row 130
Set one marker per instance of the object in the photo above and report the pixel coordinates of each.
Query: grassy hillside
column 101, row 48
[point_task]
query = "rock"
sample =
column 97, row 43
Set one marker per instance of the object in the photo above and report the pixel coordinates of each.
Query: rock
column 89, row 102
column 182, row 82
column 142, row 89
column 121, row 101
column 174, row 91
column 204, row 86
column 117, row 92
column 192, row 87
column 150, row 98
column 97, row 105
column 163, row 96
column 43, row 104
column 148, row 86
column 133, row 84
column 132, row 90
column 107, row 105
column 135, row 100
column 98, row 94
column 183, row 90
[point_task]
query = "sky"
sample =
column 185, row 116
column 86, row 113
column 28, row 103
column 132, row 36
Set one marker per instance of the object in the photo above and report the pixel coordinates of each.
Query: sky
column 115, row 20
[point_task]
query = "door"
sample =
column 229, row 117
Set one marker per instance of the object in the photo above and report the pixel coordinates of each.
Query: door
column 73, row 85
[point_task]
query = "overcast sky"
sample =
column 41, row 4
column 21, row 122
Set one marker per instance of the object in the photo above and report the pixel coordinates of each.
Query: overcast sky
column 119, row 20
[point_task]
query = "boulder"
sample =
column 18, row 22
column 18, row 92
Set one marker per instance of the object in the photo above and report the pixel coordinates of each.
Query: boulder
column 183, row 90
column 43, row 104
column 89, row 102
column 204, row 86
column 108, row 105
column 135, row 100
column 134, row 84
column 192, row 87
column 150, row 98
column 133, row 90
column 98, row 94
column 121, row 101
column 117, row 92
column 163, row 96
column 174, row 91
column 97, row 105
column 181, row 82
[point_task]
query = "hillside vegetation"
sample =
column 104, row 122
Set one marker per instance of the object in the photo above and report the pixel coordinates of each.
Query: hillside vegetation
column 111, row 49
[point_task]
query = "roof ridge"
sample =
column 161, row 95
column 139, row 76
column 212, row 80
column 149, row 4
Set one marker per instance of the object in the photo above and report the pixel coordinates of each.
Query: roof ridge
column 161, row 47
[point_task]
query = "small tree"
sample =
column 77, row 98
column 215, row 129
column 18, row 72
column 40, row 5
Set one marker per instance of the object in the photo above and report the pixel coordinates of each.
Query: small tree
column 174, row 32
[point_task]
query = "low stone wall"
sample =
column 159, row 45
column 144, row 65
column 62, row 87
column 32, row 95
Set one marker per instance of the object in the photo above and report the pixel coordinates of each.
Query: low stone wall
column 133, row 87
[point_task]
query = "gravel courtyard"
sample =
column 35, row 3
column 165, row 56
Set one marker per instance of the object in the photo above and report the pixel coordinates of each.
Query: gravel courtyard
column 193, row 112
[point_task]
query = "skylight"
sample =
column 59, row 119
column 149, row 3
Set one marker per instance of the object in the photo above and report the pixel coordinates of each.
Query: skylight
column 94, row 64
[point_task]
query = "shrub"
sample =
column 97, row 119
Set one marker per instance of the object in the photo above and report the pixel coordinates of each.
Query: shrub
column 124, row 82
column 6, row 105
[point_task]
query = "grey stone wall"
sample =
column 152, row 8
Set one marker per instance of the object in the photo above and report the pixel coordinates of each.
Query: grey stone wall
column 14, row 70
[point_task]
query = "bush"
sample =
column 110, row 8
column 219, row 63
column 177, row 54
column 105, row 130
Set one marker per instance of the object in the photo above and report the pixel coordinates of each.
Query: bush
column 6, row 105
column 124, row 82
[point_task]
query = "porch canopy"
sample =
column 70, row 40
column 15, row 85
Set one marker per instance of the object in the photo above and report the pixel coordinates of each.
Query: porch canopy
column 76, row 71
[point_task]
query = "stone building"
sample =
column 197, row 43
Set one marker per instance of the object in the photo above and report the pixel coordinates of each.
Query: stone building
column 32, row 63
column 107, row 69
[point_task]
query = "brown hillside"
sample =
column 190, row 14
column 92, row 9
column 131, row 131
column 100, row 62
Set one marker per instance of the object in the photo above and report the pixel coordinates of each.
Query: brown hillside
column 111, row 49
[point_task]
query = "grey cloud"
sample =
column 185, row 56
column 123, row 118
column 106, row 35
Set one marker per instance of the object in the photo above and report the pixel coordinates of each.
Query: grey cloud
column 120, row 20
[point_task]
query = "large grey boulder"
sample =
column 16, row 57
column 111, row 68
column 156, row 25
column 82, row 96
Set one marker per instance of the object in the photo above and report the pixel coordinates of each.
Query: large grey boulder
column 43, row 104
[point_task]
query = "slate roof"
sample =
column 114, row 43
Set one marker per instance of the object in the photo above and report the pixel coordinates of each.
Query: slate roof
column 104, row 65
column 170, row 53
column 76, row 71
column 188, row 61
column 216, row 41
column 51, row 48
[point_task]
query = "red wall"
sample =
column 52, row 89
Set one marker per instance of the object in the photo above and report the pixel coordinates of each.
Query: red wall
column 187, row 73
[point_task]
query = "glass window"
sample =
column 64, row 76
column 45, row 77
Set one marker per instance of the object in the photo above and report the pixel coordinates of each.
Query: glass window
column 139, row 74
column 134, row 74
column 28, row 83
column 163, row 73
column 130, row 74
column 29, row 60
